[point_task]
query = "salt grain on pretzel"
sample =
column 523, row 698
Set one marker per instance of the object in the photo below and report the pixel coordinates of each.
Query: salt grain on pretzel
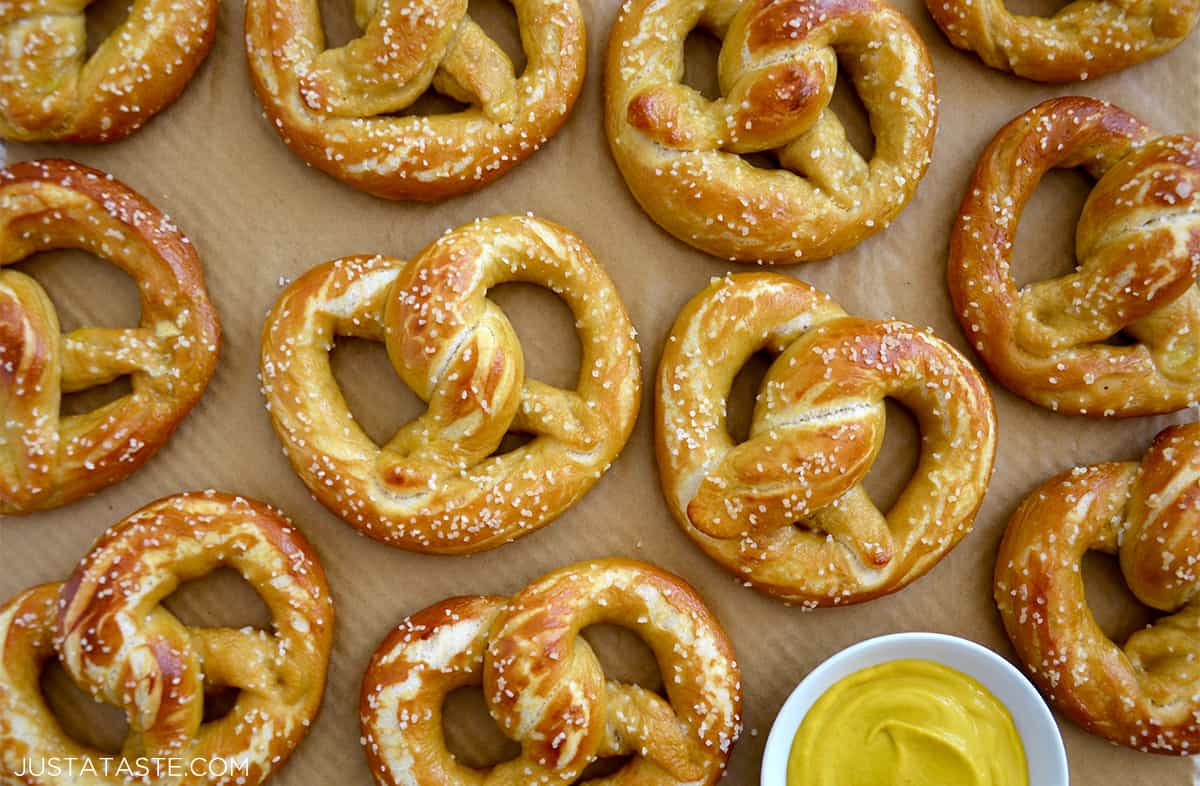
column 114, row 639
column 679, row 152
column 1144, row 694
column 51, row 90
column 545, row 687
column 1138, row 246
column 435, row 486
column 785, row 510
column 333, row 106
column 1083, row 40
column 47, row 459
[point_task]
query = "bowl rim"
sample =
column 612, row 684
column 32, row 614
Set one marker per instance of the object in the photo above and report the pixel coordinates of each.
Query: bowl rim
column 1036, row 725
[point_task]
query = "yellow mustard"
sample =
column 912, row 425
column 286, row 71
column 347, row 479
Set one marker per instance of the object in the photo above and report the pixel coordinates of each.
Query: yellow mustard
column 907, row 723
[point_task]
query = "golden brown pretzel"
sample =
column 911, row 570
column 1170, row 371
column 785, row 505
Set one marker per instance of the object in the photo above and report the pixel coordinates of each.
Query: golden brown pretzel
column 108, row 630
column 546, row 689
column 1083, row 40
column 51, row 91
column 1138, row 245
column 785, row 510
column 435, row 486
column 679, row 151
column 331, row 105
column 1146, row 693
column 48, row 460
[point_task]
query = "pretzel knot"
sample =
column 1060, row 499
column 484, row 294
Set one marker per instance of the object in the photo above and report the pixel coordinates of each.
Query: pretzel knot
column 331, row 106
column 786, row 509
column 50, row 90
column 115, row 640
column 1146, row 693
column 679, row 152
column 1138, row 242
column 544, row 685
column 1083, row 40
column 47, row 459
column 436, row 485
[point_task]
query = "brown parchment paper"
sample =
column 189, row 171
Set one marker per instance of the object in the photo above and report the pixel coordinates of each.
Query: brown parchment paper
column 259, row 218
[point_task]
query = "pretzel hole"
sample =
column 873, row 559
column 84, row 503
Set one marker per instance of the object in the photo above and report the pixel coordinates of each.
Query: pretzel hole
column 84, row 401
column 337, row 20
column 1043, row 247
column 852, row 113
column 72, row 278
column 499, row 21
column 103, row 17
column 624, row 657
column 472, row 736
column 378, row 399
column 221, row 599
column 1115, row 608
column 700, row 52
column 739, row 406
column 546, row 328
column 1035, row 7
column 219, row 701
column 92, row 724
column 897, row 458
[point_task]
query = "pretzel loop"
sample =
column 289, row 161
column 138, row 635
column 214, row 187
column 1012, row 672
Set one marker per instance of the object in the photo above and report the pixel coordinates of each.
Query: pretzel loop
column 777, row 69
column 1138, row 245
column 50, row 90
column 436, row 485
column 1142, row 694
column 785, row 509
column 47, row 459
column 332, row 106
column 545, row 687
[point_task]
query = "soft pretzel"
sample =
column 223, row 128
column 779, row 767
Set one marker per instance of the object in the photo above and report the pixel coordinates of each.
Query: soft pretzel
column 679, row 152
column 115, row 640
column 50, row 90
column 47, row 459
column 331, row 106
column 1083, row 40
column 546, row 689
column 1138, row 245
column 786, row 510
column 435, row 486
column 1146, row 693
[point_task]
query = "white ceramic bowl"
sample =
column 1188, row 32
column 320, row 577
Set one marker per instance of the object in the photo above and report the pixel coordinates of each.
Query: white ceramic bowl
column 1044, row 752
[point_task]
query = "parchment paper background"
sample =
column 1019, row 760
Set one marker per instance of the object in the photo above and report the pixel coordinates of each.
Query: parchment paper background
column 259, row 218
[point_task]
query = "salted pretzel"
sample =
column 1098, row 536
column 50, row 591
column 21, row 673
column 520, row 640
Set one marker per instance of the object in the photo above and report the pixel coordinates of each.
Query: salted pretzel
column 435, row 486
column 332, row 106
column 51, row 91
column 106, row 626
column 785, row 510
column 47, row 459
column 545, row 687
column 1138, row 246
column 679, row 152
column 1083, row 40
column 1144, row 694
